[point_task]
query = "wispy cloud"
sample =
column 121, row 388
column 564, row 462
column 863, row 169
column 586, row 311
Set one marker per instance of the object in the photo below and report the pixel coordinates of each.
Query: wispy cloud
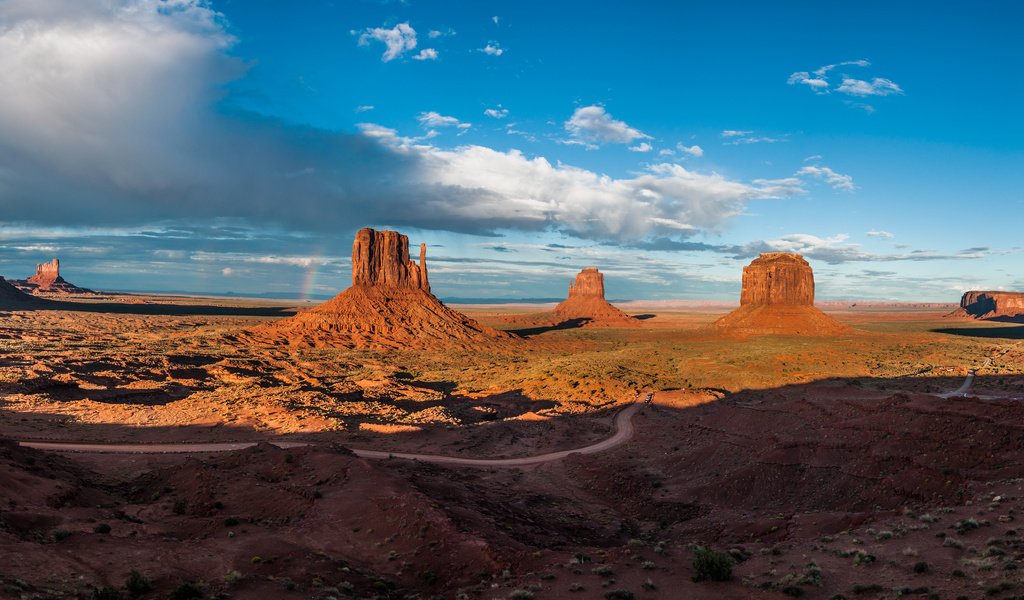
column 593, row 125
column 738, row 137
column 432, row 119
column 878, row 86
column 820, row 82
column 493, row 49
column 497, row 113
column 838, row 181
column 426, row 54
column 878, row 233
column 365, row 108
column 397, row 40
column 693, row 150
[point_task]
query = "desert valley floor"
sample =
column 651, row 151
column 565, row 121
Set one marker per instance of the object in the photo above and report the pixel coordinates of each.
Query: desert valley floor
column 826, row 467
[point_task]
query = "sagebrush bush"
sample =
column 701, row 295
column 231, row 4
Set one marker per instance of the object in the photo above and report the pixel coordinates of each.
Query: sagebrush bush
column 711, row 565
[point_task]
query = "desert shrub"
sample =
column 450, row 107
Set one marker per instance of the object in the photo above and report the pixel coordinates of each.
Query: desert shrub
column 61, row 534
column 618, row 595
column 180, row 506
column 604, row 571
column 793, row 590
column 101, row 528
column 106, row 593
column 521, row 595
column 964, row 525
column 869, row 588
column 920, row 567
column 137, row 584
column 187, row 591
column 231, row 521
column 711, row 565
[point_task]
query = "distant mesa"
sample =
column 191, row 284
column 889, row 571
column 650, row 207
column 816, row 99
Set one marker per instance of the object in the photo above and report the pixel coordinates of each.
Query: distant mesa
column 778, row 298
column 977, row 304
column 586, row 302
column 389, row 306
column 47, row 281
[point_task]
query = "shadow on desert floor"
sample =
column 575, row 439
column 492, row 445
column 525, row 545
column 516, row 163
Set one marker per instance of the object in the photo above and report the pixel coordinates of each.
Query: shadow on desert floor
column 1010, row 333
column 184, row 310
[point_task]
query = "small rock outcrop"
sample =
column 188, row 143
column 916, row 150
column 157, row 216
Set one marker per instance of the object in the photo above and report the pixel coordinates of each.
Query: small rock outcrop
column 586, row 302
column 389, row 306
column 778, row 298
column 47, row 281
column 984, row 304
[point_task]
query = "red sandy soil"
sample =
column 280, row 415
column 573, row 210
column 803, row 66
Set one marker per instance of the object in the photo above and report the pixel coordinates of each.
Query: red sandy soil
column 779, row 319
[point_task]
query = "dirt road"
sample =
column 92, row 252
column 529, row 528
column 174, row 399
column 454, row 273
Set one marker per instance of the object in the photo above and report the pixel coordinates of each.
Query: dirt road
column 623, row 432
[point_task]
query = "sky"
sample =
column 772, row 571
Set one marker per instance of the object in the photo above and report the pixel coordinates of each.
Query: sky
column 237, row 145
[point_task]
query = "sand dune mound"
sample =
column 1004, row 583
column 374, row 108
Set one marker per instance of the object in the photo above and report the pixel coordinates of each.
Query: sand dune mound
column 778, row 299
column 48, row 280
column 977, row 304
column 11, row 298
column 389, row 306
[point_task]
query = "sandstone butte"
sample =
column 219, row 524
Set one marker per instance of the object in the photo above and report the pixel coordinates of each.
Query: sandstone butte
column 388, row 306
column 586, row 302
column 990, row 305
column 778, row 298
column 47, row 280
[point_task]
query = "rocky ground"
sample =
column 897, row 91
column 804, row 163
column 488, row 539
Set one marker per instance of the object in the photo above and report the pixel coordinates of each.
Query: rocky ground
column 817, row 467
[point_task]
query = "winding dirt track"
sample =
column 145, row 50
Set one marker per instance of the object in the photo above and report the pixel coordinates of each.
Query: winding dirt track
column 623, row 433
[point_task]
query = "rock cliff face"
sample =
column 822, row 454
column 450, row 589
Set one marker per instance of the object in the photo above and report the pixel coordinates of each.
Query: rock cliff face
column 778, row 299
column 47, row 281
column 586, row 302
column 389, row 306
column 381, row 259
column 778, row 278
column 990, row 305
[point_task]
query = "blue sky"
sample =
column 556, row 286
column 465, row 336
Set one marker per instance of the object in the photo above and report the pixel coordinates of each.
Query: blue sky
column 237, row 145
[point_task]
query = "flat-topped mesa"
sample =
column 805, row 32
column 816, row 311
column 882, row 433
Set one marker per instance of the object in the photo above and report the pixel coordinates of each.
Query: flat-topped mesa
column 987, row 304
column 778, row 278
column 778, row 299
column 47, row 274
column 589, row 283
column 381, row 259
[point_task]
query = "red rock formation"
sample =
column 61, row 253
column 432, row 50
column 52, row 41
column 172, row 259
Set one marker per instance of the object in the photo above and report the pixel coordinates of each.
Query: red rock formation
column 778, row 298
column 389, row 306
column 990, row 305
column 47, row 280
column 586, row 302
column 11, row 298
column 778, row 278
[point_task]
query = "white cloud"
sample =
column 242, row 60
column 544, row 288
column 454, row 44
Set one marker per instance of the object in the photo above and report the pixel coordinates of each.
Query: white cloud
column 227, row 271
column 728, row 133
column 819, row 82
column 426, row 54
column 495, row 19
column 879, row 86
column 365, row 108
column 737, row 138
column 493, row 49
column 693, row 150
column 398, row 40
column 838, row 181
column 641, row 147
column 497, row 113
column 666, row 152
column 434, row 119
column 837, row 250
column 877, row 233
column 508, row 189
column 593, row 125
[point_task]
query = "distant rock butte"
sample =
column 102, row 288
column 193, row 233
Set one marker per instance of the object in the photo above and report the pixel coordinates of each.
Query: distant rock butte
column 47, row 280
column 586, row 302
column 978, row 304
column 778, row 298
column 778, row 278
column 389, row 306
